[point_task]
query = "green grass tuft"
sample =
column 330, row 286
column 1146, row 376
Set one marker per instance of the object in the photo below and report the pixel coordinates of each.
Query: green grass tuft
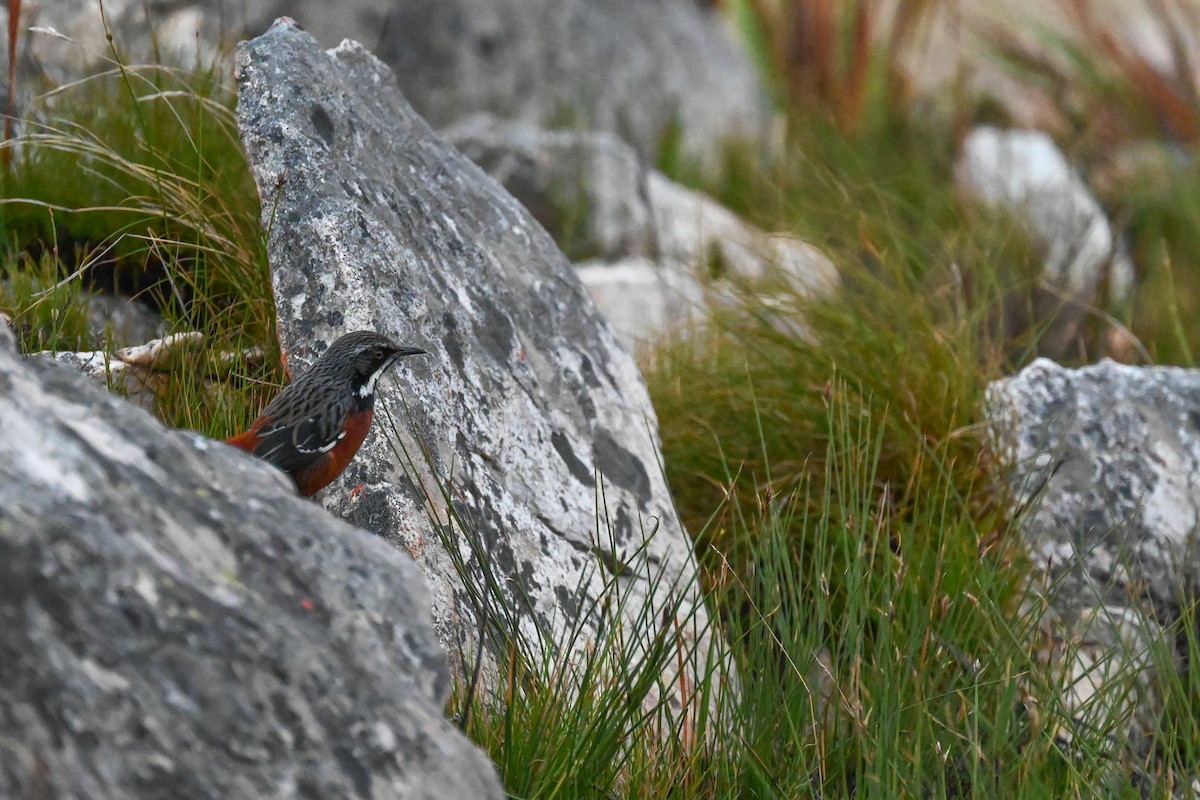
column 46, row 312
column 159, row 204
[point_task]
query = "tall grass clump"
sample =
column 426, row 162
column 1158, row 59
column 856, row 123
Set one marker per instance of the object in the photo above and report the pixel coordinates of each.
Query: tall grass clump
column 135, row 182
column 914, row 333
column 47, row 313
column 565, row 712
column 862, row 663
column 879, row 657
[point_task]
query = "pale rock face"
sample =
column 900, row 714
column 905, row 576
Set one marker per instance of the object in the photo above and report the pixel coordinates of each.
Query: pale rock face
column 1027, row 173
column 529, row 412
column 175, row 622
column 640, row 300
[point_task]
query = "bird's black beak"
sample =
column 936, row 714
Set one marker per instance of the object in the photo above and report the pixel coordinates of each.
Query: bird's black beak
column 409, row 351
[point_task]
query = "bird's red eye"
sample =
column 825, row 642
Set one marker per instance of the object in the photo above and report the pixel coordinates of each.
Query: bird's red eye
column 379, row 355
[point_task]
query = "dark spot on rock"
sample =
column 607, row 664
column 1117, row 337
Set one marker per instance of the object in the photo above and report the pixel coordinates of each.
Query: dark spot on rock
column 620, row 466
column 354, row 770
column 589, row 374
column 450, row 341
column 371, row 512
column 322, row 124
column 335, row 319
column 495, row 332
column 587, row 406
column 567, row 602
column 577, row 468
column 132, row 616
column 612, row 563
column 543, row 623
column 409, row 489
column 622, row 526
column 479, row 515
column 1194, row 420
column 488, row 45
column 529, row 577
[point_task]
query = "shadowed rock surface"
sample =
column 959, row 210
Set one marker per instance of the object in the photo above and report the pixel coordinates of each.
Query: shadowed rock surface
column 652, row 252
column 527, row 405
column 1107, row 457
column 176, row 623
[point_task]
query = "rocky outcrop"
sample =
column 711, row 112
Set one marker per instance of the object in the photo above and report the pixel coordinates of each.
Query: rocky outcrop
column 1025, row 173
column 642, row 70
column 652, row 253
column 1106, row 460
column 527, row 423
column 175, row 622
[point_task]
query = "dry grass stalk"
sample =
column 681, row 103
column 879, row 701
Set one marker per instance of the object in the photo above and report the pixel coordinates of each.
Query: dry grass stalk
column 825, row 51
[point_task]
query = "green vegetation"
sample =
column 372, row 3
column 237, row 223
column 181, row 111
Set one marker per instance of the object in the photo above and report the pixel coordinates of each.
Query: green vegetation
column 828, row 454
column 47, row 314
column 133, row 181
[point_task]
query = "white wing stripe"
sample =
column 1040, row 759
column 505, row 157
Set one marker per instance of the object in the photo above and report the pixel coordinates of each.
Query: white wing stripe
column 323, row 448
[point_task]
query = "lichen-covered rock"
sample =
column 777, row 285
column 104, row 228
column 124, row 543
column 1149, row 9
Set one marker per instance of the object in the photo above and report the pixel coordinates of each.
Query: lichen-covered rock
column 530, row 414
column 175, row 622
column 1106, row 460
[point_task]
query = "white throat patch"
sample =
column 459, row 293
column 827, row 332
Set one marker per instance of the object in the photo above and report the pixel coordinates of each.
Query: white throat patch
column 368, row 388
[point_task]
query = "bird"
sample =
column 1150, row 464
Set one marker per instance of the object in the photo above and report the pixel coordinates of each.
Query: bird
column 313, row 428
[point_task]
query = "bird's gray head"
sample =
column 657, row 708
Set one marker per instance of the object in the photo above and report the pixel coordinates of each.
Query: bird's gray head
column 362, row 357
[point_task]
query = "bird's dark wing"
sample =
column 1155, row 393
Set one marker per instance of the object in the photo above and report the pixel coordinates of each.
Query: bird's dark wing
column 301, row 429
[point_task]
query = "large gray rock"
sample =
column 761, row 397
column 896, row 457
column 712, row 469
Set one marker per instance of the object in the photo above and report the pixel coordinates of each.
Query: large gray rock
column 175, row 622
column 1026, row 173
column 635, row 68
column 652, row 253
column 535, row 420
column 1107, row 461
